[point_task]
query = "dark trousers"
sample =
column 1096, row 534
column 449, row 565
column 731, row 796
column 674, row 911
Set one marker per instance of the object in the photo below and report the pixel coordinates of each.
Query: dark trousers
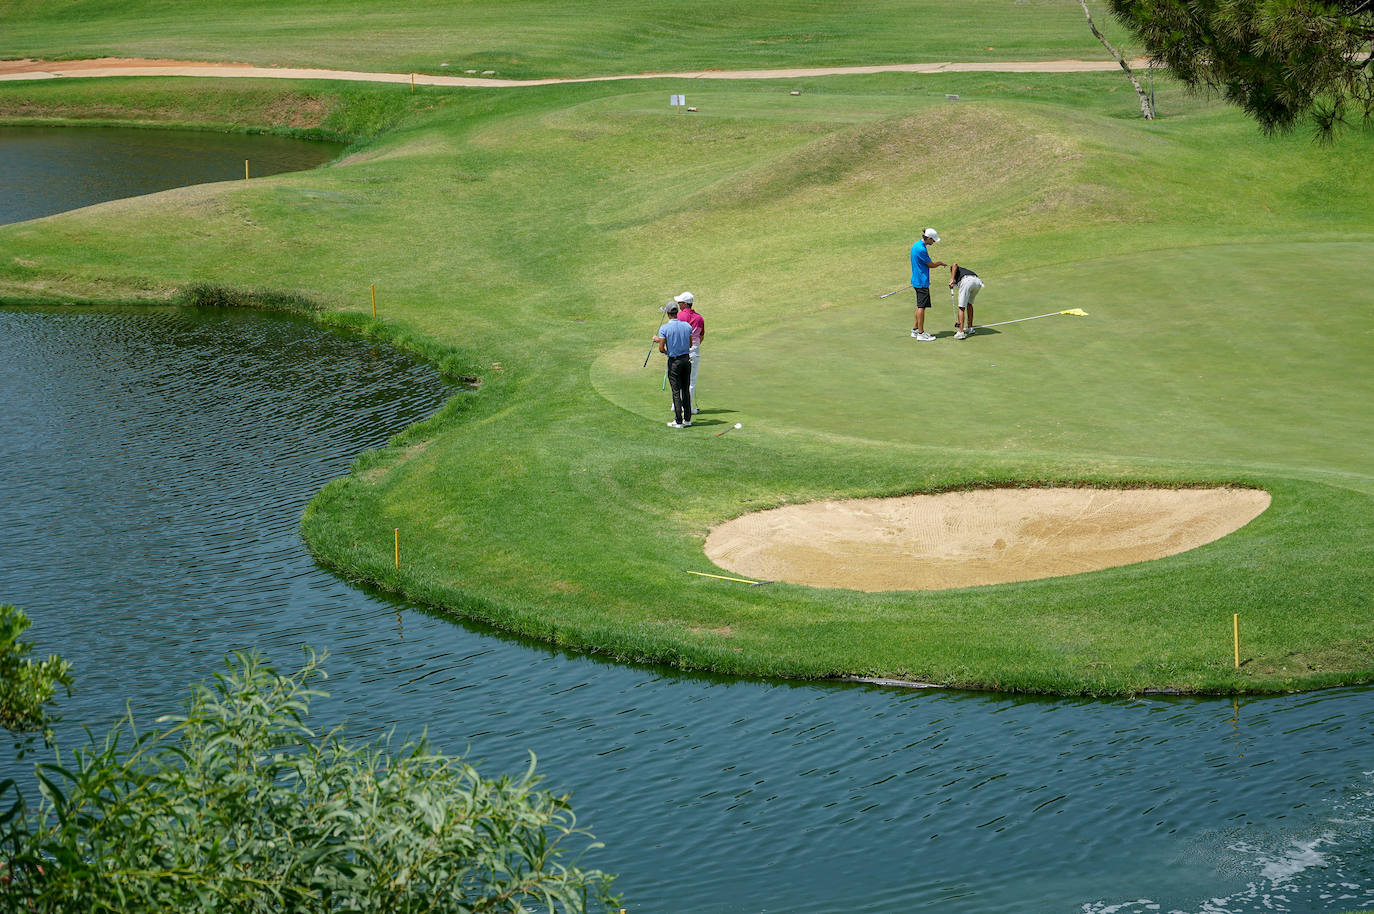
column 680, row 382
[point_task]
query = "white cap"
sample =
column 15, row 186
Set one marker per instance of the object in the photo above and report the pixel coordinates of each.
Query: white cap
column 686, row 298
column 930, row 235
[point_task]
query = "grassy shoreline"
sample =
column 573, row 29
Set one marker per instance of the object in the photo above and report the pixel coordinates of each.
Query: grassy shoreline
column 522, row 239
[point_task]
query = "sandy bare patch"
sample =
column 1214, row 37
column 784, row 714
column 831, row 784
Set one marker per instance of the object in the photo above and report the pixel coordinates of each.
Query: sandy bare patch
column 965, row 539
column 136, row 66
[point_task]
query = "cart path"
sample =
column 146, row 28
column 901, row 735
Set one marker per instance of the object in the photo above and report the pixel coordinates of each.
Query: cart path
column 131, row 66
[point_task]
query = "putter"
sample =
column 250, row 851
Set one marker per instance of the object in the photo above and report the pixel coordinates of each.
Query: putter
column 736, row 425
column 886, row 294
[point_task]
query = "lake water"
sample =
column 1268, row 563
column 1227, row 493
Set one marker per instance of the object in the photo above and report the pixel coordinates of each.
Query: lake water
column 47, row 170
column 157, row 462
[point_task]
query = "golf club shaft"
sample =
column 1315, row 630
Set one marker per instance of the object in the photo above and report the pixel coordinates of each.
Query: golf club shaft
column 886, row 294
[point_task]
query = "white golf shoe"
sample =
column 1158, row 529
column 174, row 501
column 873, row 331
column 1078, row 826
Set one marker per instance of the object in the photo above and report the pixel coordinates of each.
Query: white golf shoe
column 925, row 337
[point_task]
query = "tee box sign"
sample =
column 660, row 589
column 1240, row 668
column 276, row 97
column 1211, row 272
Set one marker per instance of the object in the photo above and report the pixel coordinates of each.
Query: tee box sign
column 677, row 101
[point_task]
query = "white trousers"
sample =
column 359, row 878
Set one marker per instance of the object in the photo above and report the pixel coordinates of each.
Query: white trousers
column 967, row 290
column 694, row 356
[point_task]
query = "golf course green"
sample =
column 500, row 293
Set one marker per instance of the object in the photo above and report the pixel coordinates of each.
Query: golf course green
column 524, row 238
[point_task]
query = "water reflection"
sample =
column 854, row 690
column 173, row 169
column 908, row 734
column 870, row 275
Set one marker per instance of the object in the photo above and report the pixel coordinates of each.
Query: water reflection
column 158, row 464
column 47, row 170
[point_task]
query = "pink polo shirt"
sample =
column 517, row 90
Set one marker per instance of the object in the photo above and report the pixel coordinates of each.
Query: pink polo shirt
column 685, row 313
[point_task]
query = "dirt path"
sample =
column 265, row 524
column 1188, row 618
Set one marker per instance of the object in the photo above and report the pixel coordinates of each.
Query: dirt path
column 129, row 66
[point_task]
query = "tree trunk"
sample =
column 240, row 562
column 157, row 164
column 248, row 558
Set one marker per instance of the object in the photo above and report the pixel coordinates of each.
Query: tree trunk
column 1146, row 108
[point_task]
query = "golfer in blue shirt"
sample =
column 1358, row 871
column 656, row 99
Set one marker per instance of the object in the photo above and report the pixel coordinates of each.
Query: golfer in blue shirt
column 674, row 340
column 920, row 280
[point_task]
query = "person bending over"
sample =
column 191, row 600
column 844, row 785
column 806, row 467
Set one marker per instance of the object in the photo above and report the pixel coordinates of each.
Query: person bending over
column 963, row 287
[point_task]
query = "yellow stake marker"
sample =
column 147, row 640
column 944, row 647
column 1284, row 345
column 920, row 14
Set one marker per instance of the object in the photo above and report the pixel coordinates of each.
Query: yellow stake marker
column 398, row 547
column 373, row 287
column 412, row 84
column 245, row 169
column 1235, row 635
column 722, row 577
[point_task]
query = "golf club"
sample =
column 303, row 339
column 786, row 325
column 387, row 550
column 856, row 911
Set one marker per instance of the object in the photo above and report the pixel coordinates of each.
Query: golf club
column 886, row 294
column 651, row 345
column 737, row 425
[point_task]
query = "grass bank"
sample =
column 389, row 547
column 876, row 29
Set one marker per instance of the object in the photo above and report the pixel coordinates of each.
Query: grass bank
column 535, row 232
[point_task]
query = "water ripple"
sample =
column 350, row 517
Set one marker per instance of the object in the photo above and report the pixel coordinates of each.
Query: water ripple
column 157, row 466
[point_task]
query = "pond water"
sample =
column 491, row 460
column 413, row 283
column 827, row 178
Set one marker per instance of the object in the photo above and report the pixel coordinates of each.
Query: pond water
column 156, row 465
column 47, row 170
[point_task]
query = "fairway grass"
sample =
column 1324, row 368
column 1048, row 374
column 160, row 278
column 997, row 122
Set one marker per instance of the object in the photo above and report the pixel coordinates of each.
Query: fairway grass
column 522, row 39
column 526, row 238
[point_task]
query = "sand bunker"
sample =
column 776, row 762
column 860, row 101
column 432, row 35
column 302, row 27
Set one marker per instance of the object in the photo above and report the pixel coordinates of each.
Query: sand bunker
column 964, row 539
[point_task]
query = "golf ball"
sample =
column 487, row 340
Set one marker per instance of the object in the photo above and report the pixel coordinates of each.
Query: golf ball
column 739, row 425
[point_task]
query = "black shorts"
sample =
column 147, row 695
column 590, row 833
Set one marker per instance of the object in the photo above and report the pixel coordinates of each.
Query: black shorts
column 923, row 297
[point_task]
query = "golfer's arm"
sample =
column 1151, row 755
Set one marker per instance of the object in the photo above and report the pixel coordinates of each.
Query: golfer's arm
column 661, row 345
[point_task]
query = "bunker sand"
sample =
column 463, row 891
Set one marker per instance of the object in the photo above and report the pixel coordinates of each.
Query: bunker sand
column 966, row 539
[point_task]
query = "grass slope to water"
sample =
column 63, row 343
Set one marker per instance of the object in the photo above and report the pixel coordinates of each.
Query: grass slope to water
column 540, row 38
column 531, row 235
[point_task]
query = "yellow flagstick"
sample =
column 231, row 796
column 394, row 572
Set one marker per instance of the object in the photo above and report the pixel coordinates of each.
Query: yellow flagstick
column 1235, row 636
column 398, row 547
column 1074, row 312
column 373, row 287
column 245, row 169
column 722, row 577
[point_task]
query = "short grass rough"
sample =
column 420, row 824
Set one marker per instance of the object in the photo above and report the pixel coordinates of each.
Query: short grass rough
column 526, row 238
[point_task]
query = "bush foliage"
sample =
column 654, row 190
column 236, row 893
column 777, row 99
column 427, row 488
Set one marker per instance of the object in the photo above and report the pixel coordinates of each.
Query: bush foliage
column 239, row 805
column 26, row 686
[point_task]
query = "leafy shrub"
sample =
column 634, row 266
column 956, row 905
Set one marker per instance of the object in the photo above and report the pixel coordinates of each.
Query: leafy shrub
column 26, row 686
column 239, row 806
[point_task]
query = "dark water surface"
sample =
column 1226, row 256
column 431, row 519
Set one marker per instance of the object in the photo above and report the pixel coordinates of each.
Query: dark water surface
column 156, row 464
column 153, row 469
column 47, row 170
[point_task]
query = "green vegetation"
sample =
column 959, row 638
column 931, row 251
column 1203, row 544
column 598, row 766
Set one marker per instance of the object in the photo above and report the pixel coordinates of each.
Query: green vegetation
column 528, row 237
column 1281, row 61
column 27, row 687
column 540, row 38
column 240, row 805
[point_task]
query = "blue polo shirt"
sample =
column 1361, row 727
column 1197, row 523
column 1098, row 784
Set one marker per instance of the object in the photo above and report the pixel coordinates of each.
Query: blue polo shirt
column 677, row 337
column 920, row 265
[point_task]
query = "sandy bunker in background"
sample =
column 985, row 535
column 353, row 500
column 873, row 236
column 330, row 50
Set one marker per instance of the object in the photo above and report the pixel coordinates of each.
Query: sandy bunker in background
column 987, row 536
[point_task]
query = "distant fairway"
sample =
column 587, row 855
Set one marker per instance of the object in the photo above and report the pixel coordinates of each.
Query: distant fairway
column 536, row 38
column 527, row 237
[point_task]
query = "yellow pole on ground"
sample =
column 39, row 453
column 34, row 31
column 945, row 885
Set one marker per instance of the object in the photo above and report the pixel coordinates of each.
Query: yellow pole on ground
column 245, row 169
column 1235, row 636
column 398, row 547
column 721, row 577
column 373, row 287
column 412, row 84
